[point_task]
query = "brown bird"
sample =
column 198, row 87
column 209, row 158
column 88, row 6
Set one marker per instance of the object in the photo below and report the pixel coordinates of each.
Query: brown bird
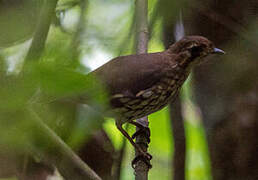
column 145, row 83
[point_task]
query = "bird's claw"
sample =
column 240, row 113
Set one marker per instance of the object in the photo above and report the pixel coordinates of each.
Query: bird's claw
column 146, row 157
column 143, row 130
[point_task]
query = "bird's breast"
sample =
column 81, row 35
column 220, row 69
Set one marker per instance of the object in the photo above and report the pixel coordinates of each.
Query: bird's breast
column 152, row 99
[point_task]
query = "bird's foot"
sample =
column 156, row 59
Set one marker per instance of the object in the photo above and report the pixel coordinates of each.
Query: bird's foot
column 144, row 131
column 144, row 157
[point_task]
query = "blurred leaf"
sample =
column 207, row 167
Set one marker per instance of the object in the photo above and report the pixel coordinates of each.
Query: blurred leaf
column 18, row 19
column 63, row 82
column 16, row 130
column 15, row 91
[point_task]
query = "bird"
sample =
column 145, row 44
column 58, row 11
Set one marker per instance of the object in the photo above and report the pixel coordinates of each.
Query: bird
column 141, row 84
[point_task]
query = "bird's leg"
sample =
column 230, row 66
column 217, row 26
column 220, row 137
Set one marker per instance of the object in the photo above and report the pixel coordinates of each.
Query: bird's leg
column 145, row 130
column 141, row 130
column 146, row 157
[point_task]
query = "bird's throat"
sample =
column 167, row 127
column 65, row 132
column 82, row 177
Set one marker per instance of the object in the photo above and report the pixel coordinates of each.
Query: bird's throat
column 184, row 60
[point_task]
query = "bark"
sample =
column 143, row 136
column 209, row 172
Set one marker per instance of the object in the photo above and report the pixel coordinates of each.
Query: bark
column 141, row 9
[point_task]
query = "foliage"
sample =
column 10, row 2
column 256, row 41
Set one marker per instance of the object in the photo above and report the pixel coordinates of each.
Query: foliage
column 59, row 77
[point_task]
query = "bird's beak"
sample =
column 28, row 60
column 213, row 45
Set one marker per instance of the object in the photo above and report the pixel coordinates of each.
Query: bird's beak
column 218, row 51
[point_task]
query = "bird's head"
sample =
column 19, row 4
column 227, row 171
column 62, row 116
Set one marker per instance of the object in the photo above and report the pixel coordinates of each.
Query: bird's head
column 193, row 49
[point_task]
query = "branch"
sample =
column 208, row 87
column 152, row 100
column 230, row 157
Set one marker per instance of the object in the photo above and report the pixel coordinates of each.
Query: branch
column 41, row 32
column 119, row 158
column 76, row 41
column 176, row 118
column 178, row 131
column 141, row 9
column 67, row 162
column 70, row 165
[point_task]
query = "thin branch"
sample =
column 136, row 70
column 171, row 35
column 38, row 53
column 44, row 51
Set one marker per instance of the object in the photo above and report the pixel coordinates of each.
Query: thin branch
column 38, row 43
column 178, row 131
column 119, row 159
column 176, row 117
column 141, row 9
column 67, row 162
column 76, row 41
column 41, row 32
column 70, row 165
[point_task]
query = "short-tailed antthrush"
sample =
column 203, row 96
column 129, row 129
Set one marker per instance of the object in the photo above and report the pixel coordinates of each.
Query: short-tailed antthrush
column 145, row 83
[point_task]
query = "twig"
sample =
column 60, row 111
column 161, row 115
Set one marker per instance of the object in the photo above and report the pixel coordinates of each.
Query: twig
column 176, row 118
column 41, row 32
column 38, row 43
column 178, row 131
column 70, row 165
column 80, row 30
column 141, row 9
column 119, row 159
column 66, row 161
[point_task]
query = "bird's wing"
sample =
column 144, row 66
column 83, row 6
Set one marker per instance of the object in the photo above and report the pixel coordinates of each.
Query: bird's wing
column 129, row 75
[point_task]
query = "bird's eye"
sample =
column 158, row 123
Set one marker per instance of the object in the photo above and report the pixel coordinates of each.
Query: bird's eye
column 196, row 51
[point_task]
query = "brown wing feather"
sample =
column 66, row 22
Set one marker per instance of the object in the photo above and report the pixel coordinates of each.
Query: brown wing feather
column 130, row 74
